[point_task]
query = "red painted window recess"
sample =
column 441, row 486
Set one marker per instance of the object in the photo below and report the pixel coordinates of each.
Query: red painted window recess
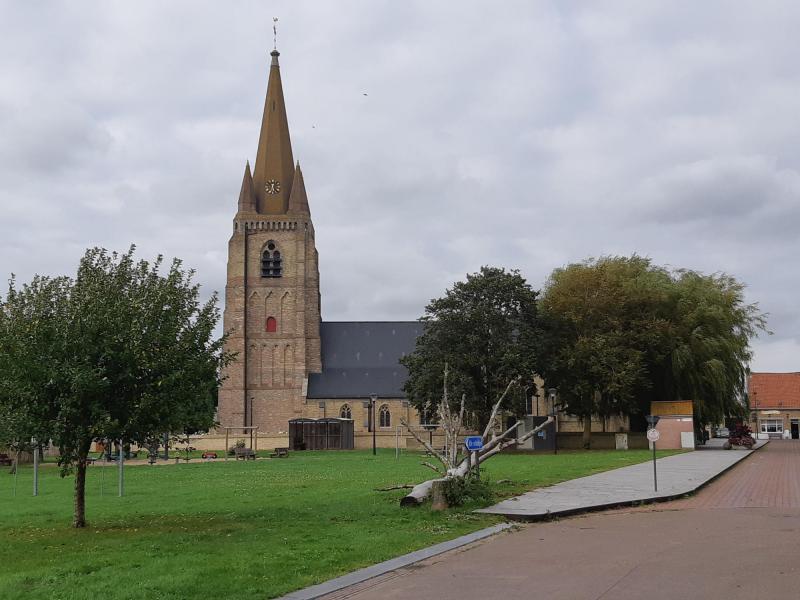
column 272, row 325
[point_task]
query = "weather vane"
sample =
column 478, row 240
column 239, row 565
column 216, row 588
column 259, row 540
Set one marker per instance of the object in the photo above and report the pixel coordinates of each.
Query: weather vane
column 274, row 33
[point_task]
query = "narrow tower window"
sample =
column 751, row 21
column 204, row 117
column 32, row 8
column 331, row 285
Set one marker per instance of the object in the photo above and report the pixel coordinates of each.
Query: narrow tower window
column 345, row 412
column 271, row 262
column 272, row 325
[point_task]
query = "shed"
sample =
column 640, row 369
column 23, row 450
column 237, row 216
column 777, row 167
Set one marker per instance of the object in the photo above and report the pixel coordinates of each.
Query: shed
column 321, row 434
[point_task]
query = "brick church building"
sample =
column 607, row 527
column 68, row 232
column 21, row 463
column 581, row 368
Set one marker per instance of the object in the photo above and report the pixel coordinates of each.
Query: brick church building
column 291, row 364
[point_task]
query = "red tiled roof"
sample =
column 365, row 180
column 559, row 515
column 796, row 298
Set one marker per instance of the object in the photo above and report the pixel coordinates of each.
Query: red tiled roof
column 774, row 390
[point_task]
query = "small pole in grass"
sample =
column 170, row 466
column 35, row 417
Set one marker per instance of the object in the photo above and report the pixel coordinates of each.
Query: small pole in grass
column 35, row 467
column 121, row 458
column 16, row 472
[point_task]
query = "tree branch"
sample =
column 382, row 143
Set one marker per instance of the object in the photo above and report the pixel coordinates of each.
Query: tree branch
column 536, row 430
column 497, row 407
column 402, row 486
column 430, row 466
column 427, row 446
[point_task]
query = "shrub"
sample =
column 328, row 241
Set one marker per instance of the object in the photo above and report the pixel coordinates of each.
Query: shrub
column 742, row 435
column 236, row 444
column 469, row 489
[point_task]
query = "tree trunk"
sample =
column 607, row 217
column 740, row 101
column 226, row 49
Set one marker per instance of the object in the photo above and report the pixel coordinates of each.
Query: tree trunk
column 587, row 432
column 418, row 494
column 437, row 491
column 79, row 517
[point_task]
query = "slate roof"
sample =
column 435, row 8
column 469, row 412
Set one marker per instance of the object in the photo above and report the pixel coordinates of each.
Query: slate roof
column 360, row 358
column 774, row 390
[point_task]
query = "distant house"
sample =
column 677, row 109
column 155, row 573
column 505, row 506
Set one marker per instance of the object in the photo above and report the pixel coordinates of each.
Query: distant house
column 775, row 403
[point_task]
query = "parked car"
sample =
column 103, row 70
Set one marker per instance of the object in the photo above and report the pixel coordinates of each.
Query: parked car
column 723, row 432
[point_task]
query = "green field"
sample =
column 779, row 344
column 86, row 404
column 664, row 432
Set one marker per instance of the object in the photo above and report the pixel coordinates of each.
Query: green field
column 238, row 530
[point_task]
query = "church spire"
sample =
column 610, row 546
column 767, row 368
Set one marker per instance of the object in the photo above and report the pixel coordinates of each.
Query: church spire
column 274, row 168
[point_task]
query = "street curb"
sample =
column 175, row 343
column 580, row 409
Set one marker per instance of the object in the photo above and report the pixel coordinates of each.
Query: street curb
column 637, row 502
column 333, row 585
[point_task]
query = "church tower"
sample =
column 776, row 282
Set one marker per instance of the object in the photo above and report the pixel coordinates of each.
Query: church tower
column 272, row 302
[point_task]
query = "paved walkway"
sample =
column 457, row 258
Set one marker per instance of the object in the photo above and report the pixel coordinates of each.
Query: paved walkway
column 678, row 475
column 737, row 539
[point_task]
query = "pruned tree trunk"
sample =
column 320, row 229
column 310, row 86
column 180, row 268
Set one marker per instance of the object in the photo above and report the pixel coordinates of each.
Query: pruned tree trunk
column 451, row 424
column 439, row 502
column 419, row 492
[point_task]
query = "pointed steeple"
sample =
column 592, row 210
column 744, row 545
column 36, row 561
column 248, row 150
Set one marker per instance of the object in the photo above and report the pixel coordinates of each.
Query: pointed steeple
column 298, row 201
column 247, row 197
column 274, row 168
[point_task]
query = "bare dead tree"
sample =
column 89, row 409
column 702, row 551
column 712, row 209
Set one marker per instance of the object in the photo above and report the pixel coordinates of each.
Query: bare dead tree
column 452, row 424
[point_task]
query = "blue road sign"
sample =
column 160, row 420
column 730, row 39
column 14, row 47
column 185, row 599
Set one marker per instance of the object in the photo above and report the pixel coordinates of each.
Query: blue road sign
column 473, row 442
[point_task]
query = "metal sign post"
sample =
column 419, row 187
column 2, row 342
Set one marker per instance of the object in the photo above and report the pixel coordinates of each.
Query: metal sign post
column 474, row 443
column 652, row 436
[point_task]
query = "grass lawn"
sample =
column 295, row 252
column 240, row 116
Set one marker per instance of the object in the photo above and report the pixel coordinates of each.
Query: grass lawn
column 239, row 529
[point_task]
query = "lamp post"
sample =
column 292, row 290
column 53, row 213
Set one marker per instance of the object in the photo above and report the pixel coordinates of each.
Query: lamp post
column 373, row 398
column 370, row 406
column 552, row 392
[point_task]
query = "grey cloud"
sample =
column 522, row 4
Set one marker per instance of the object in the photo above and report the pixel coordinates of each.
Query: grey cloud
column 724, row 189
column 521, row 134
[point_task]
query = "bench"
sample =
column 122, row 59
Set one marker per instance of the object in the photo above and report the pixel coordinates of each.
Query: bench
column 5, row 460
column 280, row 453
column 244, row 453
column 209, row 455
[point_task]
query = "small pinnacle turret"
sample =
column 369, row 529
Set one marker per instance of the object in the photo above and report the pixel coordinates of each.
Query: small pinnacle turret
column 298, row 201
column 247, row 197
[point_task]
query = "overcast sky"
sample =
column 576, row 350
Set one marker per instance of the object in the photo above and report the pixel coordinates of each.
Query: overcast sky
column 434, row 137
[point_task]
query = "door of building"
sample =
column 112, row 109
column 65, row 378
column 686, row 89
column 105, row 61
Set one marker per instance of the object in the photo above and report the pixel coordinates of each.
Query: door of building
column 795, row 429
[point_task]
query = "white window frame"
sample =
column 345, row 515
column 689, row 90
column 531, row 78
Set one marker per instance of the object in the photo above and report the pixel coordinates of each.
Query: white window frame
column 765, row 424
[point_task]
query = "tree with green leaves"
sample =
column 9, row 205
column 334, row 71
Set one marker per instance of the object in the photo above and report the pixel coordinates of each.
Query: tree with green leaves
column 620, row 332
column 602, row 320
column 708, row 345
column 485, row 331
column 122, row 351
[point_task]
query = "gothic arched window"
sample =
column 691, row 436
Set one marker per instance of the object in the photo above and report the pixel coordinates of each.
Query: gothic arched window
column 385, row 416
column 271, row 262
column 272, row 325
column 345, row 412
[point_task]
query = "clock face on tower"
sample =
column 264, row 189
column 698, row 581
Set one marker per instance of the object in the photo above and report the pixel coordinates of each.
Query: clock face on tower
column 272, row 186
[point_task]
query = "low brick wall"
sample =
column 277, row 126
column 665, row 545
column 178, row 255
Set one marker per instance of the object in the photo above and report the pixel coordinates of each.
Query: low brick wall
column 600, row 441
column 362, row 441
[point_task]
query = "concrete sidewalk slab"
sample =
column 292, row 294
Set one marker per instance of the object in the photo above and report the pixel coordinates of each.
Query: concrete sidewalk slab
column 678, row 475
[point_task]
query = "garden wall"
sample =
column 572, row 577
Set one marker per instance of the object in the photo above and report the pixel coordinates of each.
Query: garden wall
column 600, row 441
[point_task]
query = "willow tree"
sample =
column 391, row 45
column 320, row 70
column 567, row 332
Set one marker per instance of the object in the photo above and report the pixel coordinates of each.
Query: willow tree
column 122, row 351
column 711, row 327
column 604, row 321
column 621, row 332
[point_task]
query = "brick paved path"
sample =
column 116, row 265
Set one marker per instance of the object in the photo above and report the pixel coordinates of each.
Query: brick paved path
column 737, row 539
column 768, row 479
